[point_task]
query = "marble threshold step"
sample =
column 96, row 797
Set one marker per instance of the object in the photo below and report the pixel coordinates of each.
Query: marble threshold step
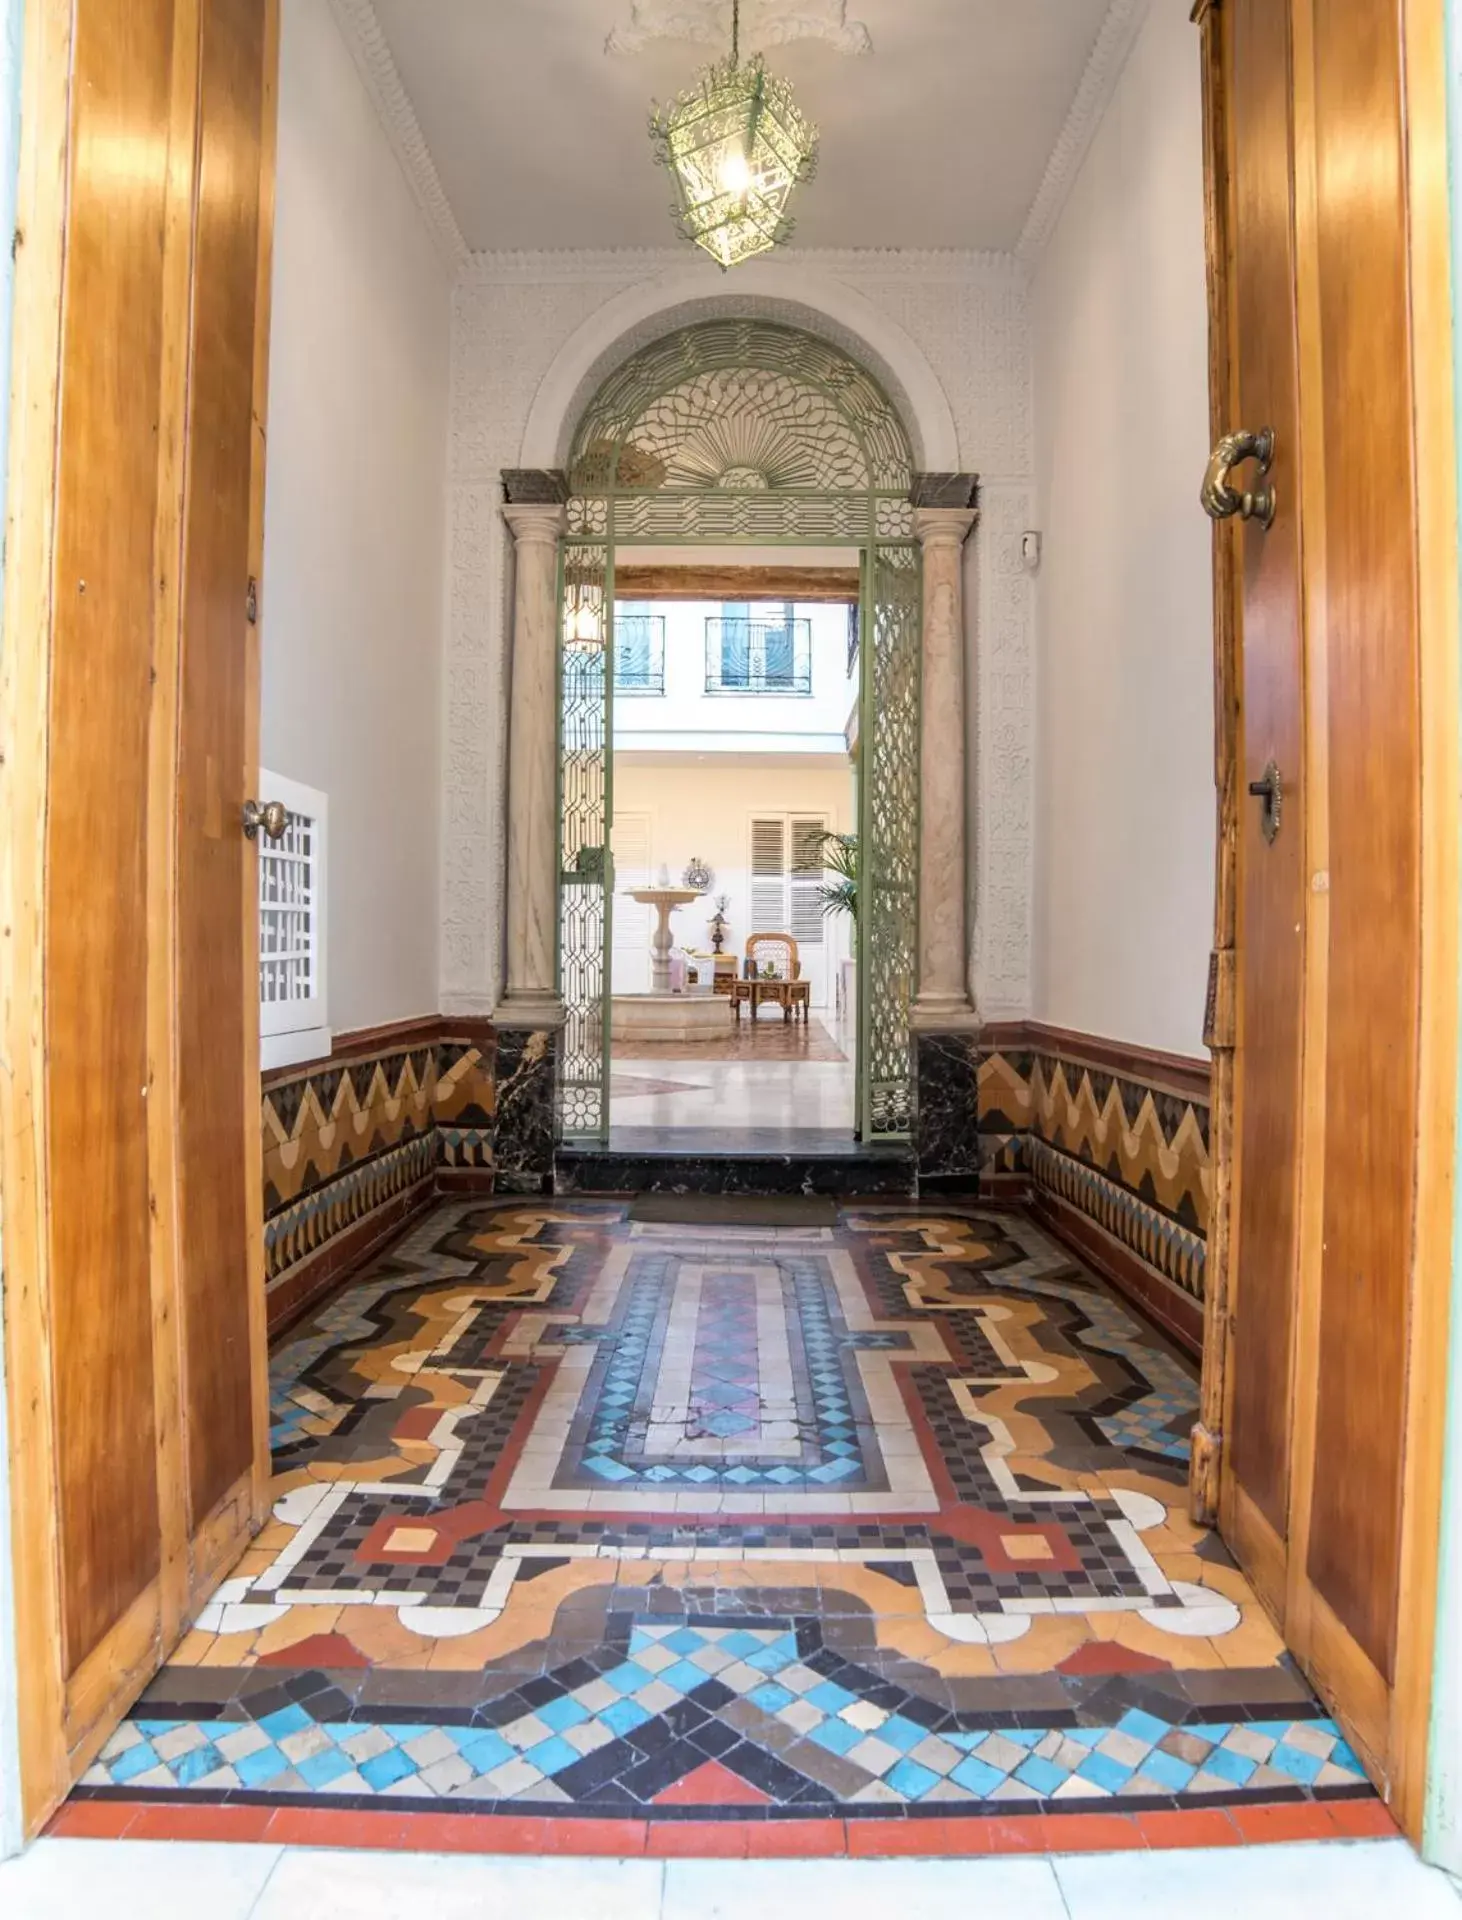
column 758, row 1160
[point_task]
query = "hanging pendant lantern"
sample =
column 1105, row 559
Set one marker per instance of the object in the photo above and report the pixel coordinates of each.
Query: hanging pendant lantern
column 737, row 145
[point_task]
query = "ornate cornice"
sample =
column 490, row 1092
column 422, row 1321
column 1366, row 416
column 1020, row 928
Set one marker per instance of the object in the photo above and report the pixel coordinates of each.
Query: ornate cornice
column 955, row 266
column 1114, row 43
column 372, row 54
column 768, row 23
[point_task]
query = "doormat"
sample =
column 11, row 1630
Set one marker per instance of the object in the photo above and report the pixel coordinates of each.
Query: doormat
column 734, row 1210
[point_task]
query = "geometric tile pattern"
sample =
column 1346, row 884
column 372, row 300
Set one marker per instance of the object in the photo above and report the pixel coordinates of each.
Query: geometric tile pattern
column 973, row 1589
column 342, row 1137
column 1130, row 1154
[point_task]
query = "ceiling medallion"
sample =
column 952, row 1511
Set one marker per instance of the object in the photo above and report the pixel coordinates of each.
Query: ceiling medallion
column 770, row 23
column 736, row 144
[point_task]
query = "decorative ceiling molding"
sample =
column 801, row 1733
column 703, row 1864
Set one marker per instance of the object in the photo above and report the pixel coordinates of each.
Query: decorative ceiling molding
column 372, row 54
column 1114, row 43
column 953, row 266
column 767, row 23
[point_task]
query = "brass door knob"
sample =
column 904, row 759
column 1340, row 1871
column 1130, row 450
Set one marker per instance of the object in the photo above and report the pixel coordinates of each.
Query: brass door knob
column 272, row 816
column 1221, row 499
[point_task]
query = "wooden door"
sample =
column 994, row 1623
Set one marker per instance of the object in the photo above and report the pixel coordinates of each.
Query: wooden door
column 134, row 1300
column 1327, row 173
column 1271, row 864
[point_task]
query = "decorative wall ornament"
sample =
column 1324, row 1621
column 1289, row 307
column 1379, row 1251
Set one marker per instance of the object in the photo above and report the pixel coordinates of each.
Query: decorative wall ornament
column 769, row 23
column 699, row 876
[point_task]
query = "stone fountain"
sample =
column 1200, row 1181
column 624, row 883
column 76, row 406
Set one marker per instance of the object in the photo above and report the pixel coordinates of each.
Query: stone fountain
column 661, row 1014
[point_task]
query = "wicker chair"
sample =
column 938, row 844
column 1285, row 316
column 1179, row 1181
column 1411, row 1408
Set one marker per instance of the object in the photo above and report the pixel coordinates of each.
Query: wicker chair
column 791, row 992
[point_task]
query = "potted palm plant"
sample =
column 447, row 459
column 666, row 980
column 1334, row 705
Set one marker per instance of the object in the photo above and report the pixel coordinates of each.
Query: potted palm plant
column 840, row 893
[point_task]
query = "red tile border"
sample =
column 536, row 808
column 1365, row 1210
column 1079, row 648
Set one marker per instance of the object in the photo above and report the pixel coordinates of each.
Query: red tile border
column 1363, row 1819
column 1301, row 1820
column 959, row 1836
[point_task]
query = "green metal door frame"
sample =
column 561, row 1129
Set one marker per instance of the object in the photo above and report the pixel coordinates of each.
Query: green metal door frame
column 743, row 433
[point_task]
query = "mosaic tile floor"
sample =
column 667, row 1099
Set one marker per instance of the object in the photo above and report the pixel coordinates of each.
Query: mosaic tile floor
column 584, row 1517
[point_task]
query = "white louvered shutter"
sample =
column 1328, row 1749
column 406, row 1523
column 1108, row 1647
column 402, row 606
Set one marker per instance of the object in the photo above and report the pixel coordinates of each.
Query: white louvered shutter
column 769, row 876
column 293, row 1017
column 805, row 916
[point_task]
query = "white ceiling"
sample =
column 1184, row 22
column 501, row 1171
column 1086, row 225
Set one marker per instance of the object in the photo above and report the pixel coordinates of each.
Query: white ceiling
column 939, row 138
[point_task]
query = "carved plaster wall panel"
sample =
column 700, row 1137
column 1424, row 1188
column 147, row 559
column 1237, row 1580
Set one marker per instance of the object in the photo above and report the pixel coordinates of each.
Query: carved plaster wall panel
column 765, row 23
column 513, row 314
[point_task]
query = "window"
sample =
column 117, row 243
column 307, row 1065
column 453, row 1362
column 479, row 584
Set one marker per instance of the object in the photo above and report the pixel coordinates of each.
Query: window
column 639, row 650
column 293, row 1021
column 787, row 868
column 766, row 651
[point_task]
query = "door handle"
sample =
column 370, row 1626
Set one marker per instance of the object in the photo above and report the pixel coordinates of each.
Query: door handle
column 272, row 816
column 1271, row 791
column 1221, row 499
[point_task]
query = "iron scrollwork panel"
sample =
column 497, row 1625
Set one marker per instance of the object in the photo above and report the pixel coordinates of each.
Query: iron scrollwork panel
column 890, row 852
column 585, row 879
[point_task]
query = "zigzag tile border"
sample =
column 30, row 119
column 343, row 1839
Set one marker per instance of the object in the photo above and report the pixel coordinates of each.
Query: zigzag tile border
column 1174, row 1251
column 344, row 1138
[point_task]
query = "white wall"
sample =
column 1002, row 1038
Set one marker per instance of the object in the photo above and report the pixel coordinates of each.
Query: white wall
column 686, row 715
column 355, row 529
column 1125, row 810
column 705, row 811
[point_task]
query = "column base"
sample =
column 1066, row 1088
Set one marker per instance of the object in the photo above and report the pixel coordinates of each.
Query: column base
column 943, row 1013
column 523, row 1134
column 528, row 1010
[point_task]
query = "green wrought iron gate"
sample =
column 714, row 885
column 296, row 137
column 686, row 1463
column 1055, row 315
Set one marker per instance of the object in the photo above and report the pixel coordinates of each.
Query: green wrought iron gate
column 586, row 809
column 888, row 829
column 739, row 432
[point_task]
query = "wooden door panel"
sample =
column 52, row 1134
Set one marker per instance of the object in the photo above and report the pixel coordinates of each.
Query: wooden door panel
column 212, row 854
column 97, row 932
column 1271, row 877
column 1370, row 614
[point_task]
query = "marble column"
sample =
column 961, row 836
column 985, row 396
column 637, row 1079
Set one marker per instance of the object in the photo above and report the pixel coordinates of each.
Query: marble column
column 532, row 999
column 943, row 1001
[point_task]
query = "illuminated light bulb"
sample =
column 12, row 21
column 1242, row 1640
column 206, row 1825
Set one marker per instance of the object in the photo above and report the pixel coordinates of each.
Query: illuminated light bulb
column 585, row 624
column 736, row 174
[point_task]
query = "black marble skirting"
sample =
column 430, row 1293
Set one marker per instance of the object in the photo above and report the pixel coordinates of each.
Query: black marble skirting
column 859, row 1173
column 948, row 1126
column 523, row 1143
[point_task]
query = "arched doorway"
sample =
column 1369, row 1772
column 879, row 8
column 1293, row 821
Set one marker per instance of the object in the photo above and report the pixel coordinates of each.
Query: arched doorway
column 753, row 434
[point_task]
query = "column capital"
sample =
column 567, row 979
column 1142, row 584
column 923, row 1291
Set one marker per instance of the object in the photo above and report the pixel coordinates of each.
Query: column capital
column 535, row 486
column 536, row 523
column 944, row 526
column 945, row 490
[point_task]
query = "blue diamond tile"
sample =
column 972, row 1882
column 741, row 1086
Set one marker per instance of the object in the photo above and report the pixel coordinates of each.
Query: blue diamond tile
column 910, row 1779
column 837, row 1736
column 135, row 1760
column 1227, row 1765
column 566, row 1711
column 1103, row 1771
column 321, row 1768
column 977, row 1776
column 552, row 1756
column 485, row 1750
column 771, row 1698
column 900, row 1733
column 831, row 1697
column 258, row 1769
column 623, row 1716
column 290, row 1719
column 1043, row 1775
column 1168, row 1770
column 385, row 1769
column 1298, row 1764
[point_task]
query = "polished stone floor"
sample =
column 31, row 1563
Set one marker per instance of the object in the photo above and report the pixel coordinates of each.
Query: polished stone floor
column 821, row 1529
column 765, row 1076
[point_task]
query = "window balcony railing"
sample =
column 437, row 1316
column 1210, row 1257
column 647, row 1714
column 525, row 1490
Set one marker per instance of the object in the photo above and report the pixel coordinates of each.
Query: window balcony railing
column 639, row 653
column 758, row 656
